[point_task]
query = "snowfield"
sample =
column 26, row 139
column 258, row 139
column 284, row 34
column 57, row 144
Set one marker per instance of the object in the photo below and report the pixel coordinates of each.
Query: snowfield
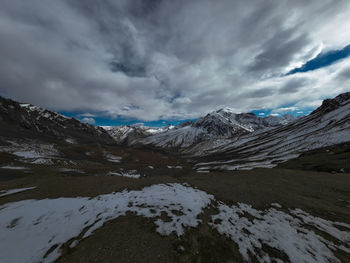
column 291, row 233
column 31, row 151
column 34, row 226
column 38, row 228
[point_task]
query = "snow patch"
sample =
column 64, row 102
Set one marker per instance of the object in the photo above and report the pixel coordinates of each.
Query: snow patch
column 32, row 151
column 130, row 174
column 70, row 141
column 14, row 191
column 44, row 161
column 33, row 227
column 27, row 154
column 112, row 158
column 289, row 233
column 175, row 167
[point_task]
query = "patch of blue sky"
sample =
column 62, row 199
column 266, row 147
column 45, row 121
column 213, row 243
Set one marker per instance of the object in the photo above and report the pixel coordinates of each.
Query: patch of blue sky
column 283, row 110
column 323, row 59
column 118, row 121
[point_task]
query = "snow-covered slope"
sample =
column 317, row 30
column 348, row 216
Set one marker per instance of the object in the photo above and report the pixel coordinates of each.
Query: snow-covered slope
column 276, row 121
column 327, row 125
column 247, row 121
column 179, row 137
column 221, row 124
column 128, row 134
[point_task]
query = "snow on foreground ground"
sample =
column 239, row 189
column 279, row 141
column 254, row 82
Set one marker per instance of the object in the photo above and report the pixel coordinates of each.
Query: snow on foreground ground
column 14, row 191
column 34, row 226
column 38, row 228
column 130, row 174
column 290, row 233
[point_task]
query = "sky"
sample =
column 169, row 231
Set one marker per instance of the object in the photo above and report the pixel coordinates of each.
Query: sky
column 161, row 62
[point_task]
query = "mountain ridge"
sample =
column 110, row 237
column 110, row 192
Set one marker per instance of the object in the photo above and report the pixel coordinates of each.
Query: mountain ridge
column 223, row 123
column 221, row 139
column 27, row 120
column 327, row 125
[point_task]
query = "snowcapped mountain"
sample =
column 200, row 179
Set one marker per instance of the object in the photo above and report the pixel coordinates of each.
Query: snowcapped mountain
column 326, row 126
column 276, row 121
column 220, row 124
column 25, row 120
column 224, row 123
column 127, row 134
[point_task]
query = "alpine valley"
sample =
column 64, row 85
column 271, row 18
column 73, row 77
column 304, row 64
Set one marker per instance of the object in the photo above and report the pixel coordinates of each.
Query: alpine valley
column 226, row 187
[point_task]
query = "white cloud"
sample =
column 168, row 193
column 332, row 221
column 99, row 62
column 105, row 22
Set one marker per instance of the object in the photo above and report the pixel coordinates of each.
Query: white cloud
column 88, row 120
column 287, row 109
column 86, row 115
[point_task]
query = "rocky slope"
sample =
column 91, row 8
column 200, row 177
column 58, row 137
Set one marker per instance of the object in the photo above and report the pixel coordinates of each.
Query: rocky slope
column 28, row 121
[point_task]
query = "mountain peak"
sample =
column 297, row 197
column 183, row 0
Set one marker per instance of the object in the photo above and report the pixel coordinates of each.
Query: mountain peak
column 332, row 104
column 226, row 110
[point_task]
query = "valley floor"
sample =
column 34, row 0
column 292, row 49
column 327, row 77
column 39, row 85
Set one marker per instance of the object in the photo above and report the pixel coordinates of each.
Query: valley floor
column 127, row 205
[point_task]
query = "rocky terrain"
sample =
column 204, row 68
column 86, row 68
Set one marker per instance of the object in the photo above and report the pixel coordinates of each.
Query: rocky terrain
column 23, row 120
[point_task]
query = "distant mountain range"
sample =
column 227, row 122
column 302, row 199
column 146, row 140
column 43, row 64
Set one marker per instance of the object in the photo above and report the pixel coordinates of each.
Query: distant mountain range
column 220, row 124
column 224, row 140
column 326, row 126
column 128, row 134
column 220, row 140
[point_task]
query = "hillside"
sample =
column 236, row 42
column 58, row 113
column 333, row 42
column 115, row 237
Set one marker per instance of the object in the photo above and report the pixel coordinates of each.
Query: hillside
column 327, row 125
column 22, row 120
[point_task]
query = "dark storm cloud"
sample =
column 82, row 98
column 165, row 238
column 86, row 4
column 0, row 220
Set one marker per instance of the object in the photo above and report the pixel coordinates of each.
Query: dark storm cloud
column 279, row 50
column 164, row 58
column 344, row 74
column 260, row 93
column 131, row 71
